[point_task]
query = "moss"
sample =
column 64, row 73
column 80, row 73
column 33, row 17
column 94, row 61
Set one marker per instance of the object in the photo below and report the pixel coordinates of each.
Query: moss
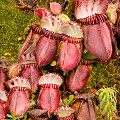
column 13, row 23
column 105, row 74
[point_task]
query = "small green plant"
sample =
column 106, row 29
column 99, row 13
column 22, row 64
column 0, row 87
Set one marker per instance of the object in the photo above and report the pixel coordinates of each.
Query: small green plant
column 65, row 73
column 12, row 117
column 107, row 98
column 69, row 101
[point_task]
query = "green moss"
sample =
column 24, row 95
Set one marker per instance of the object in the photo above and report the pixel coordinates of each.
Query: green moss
column 105, row 74
column 13, row 23
column 70, row 12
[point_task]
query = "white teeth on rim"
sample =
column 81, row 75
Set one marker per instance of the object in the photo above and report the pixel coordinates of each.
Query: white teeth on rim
column 50, row 78
column 51, row 23
column 18, row 81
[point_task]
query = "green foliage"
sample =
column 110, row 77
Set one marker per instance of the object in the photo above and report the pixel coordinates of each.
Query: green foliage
column 107, row 98
column 53, row 63
column 69, row 102
column 105, row 75
column 13, row 23
column 70, row 4
column 12, row 117
column 65, row 73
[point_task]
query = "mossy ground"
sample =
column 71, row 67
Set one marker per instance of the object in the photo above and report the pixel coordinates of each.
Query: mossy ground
column 14, row 26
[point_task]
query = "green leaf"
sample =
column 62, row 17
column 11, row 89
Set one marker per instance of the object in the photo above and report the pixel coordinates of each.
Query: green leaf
column 6, row 119
column 70, row 101
column 71, row 97
column 9, row 116
column 101, row 96
column 65, row 73
column 105, row 110
column 12, row 114
column 53, row 63
column 102, row 105
column 88, row 55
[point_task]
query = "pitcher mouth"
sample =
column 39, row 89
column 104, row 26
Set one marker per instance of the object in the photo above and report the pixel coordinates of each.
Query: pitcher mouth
column 51, row 34
column 91, row 12
column 72, row 40
column 18, row 82
column 60, row 112
column 54, row 86
column 94, row 19
column 18, row 88
column 50, row 80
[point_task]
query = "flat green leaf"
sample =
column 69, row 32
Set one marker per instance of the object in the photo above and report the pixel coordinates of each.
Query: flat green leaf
column 71, row 97
column 53, row 63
